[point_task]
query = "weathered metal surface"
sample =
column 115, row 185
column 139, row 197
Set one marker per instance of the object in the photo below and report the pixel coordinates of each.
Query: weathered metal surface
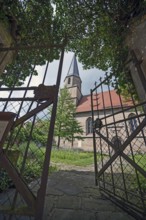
column 45, row 172
column 6, row 119
column 18, row 181
column 28, row 175
column 120, row 165
column 43, row 92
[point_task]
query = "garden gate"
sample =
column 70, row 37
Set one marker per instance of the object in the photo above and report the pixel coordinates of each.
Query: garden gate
column 119, row 139
column 26, row 135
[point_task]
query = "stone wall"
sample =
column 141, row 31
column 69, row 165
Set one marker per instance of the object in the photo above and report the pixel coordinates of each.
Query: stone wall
column 87, row 143
column 5, row 41
column 136, row 42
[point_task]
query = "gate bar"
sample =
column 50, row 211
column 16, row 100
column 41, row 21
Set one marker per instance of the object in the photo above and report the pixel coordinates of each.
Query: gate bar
column 94, row 143
column 41, row 193
column 131, row 137
column 107, row 131
column 19, row 183
column 121, row 153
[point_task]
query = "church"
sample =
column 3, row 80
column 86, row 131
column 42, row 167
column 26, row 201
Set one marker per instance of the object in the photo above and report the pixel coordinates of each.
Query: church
column 73, row 83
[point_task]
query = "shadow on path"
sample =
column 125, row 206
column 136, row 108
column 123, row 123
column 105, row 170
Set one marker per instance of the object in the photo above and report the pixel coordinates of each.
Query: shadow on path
column 72, row 195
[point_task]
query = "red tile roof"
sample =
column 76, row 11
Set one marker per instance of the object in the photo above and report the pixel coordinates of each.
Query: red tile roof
column 103, row 100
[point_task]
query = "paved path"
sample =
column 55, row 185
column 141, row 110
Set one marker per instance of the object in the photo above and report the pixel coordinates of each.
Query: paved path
column 72, row 195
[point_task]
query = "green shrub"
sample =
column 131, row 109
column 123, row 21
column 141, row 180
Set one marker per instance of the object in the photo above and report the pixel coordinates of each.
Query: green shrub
column 4, row 180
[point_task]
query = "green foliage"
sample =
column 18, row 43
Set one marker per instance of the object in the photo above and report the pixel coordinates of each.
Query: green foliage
column 38, row 135
column 95, row 30
column 66, row 126
column 21, row 134
column 34, row 162
column 140, row 159
column 4, row 180
column 34, row 21
column 40, row 132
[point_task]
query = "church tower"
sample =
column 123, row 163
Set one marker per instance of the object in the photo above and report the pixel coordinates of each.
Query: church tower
column 73, row 81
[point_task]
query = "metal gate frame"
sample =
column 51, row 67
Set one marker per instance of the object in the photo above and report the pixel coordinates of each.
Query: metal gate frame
column 35, row 202
column 118, row 173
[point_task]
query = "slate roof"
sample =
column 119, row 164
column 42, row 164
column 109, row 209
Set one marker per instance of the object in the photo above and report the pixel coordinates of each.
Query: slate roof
column 85, row 102
column 73, row 69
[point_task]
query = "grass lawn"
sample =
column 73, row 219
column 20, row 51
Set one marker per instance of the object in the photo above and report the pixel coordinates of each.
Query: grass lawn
column 65, row 156
column 140, row 159
column 72, row 157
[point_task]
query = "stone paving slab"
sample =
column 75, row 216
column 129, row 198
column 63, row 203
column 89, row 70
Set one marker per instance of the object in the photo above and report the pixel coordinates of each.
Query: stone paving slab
column 72, row 195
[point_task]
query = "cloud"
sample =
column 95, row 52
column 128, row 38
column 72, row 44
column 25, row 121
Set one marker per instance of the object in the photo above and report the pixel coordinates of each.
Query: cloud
column 88, row 77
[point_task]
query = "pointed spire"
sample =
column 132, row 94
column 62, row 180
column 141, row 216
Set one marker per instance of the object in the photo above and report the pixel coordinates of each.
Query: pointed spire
column 73, row 69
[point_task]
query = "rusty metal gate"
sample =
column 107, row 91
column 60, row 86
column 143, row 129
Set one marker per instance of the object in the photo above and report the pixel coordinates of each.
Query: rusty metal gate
column 119, row 138
column 25, row 117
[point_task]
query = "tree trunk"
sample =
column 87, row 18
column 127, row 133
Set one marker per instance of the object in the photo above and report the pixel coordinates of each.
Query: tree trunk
column 58, row 143
column 72, row 142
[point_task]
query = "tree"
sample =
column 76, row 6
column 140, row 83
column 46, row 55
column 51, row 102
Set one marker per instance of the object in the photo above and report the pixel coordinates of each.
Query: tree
column 96, row 32
column 74, row 131
column 66, row 126
column 33, row 23
column 40, row 132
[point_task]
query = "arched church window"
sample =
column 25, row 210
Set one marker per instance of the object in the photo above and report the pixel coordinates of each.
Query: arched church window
column 132, row 122
column 89, row 127
column 68, row 80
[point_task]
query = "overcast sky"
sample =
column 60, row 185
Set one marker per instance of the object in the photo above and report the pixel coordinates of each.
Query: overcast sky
column 88, row 77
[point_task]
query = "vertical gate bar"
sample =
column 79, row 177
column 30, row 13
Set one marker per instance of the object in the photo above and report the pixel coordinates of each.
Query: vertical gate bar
column 137, row 177
column 25, row 155
column 27, row 147
column 5, row 106
column 135, row 107
column 24, row 95
column 100, row 142
column 23, row 164
column 101, row 146
column 8, row 144
column 101, row 154
column 18, row 113
column 41, row 193
column 125, row 189
column 127, row 132
column 133, row 158
column 94, row 141
column 111, row 167
column 125, row 144
column 17, row 134
column 10, row 93
column 46, row 69
column 31, row 130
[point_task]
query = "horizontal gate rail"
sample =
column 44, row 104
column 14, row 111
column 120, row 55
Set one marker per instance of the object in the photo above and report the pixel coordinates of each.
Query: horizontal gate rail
column 27, row 172
column 119, row 140
column 121, row 153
